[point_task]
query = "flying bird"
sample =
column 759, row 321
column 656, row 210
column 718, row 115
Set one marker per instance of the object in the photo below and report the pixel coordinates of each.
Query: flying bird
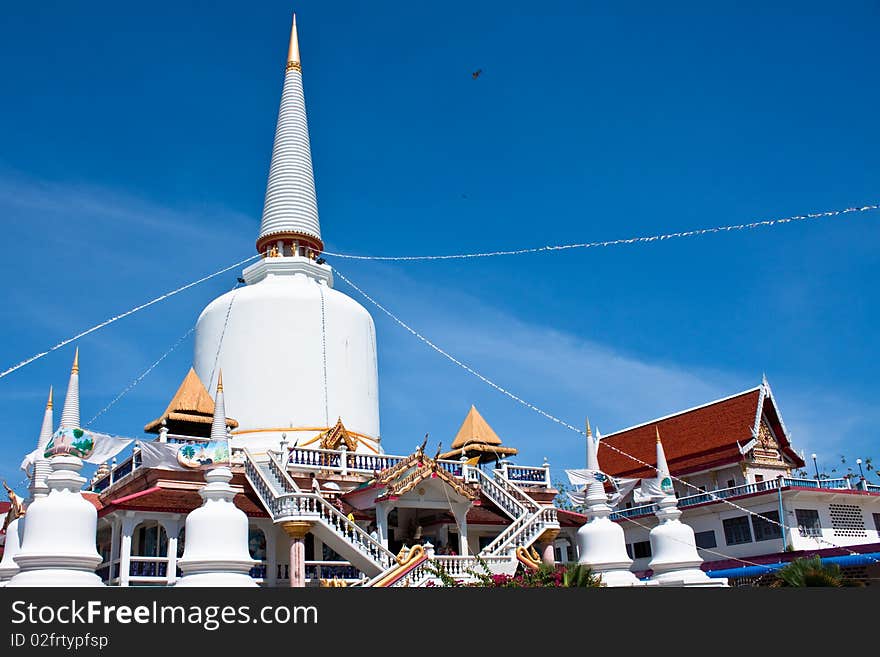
column 476, row 73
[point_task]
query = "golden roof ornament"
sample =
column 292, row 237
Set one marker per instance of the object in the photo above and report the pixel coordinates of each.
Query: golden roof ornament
column 293, row 62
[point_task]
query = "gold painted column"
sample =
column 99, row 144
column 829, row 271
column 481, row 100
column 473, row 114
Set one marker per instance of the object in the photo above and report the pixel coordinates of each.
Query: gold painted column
column 545, row 541
column 297, row 530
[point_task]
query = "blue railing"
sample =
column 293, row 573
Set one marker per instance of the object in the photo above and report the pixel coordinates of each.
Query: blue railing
column 833, row 484
column 643, row 510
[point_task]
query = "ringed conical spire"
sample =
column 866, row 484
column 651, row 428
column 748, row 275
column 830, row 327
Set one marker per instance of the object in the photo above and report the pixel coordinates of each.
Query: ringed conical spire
column 290, row 213
column 70, row 412
column 46, row 428
column 218, row 425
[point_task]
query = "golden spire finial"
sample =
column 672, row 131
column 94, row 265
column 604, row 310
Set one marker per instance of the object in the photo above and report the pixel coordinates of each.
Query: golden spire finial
column 589, row 431
column 220, row 381
column 75, row 368
column 657, row 431
column 49, row 402
column 293, row 51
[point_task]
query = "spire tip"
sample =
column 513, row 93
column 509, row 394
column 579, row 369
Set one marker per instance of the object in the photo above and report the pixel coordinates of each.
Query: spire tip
column 75, row 368
column 293, row 62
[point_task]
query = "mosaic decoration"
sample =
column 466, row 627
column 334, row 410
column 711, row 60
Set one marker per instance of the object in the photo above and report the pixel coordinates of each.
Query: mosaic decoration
column 666, row 486
column 70, row 441
column 197, row 455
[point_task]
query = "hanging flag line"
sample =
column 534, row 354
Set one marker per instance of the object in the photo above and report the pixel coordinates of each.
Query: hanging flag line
column 132, row 311
column 631, row 240
column 559, row 421
column 222, row 334
column 142, row 376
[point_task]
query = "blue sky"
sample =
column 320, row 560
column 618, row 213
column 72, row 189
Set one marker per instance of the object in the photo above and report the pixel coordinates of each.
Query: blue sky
column 135, row 150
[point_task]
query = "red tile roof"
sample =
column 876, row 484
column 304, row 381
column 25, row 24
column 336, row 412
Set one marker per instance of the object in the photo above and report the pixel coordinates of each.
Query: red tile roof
column 695, row 439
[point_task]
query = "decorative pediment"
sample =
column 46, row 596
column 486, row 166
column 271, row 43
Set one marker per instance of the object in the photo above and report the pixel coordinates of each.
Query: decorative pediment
column 767, row 449
column 336, row 436
column 417, row 467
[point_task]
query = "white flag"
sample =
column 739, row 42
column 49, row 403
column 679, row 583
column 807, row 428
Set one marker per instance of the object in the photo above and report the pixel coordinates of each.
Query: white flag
column 160, row 455
column 106, row 447
column 585, row 477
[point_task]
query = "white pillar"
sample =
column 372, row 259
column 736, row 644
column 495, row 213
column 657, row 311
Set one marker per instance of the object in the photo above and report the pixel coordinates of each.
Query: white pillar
column 128, row 525
column 382, row 511
column 172, row 529
column 460, row 513
column 271, row 579
column 343, row 458
column 114, row 547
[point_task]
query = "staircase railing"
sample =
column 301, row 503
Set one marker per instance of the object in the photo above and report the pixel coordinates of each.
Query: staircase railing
column 515, row 491
column 282, row 475
column 310, row 506
column 523, row 532
column 458, row 567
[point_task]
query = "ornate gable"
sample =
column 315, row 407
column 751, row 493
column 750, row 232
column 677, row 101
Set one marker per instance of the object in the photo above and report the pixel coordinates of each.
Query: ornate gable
column 336, row 436
column 406, row 475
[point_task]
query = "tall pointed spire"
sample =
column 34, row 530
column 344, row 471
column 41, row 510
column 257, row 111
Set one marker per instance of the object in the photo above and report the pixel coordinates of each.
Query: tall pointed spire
column 293, row 49
column 218, row 425
column 290, row 213
column 70, row 412
column 663, row 478
column 46, row 429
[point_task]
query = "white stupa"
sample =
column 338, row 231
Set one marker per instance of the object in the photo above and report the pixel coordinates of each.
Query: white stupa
column 40, row 470
column 675, row 560
column 297, row 354
column 58, row 541
column 601, row 542
column 216, row 551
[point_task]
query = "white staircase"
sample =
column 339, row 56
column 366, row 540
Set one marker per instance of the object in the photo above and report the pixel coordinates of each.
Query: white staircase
column 284, row 501
column 530, row 519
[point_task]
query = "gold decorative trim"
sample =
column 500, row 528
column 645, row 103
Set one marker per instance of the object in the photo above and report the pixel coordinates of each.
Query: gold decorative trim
column 293, row 66
column 296, row 528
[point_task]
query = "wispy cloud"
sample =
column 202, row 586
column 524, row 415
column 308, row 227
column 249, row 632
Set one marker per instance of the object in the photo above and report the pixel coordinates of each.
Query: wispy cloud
column 567, row 375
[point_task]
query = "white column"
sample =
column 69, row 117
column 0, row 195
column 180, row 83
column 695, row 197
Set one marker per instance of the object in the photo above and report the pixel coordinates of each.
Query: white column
column 114, row 547
column 128, row 525
column 271, row 579
column 343, row 458
column 382, row 511
column 460, row 513
column 172, row 529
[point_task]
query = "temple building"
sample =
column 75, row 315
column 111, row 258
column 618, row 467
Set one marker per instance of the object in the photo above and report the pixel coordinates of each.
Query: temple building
column 275, row 431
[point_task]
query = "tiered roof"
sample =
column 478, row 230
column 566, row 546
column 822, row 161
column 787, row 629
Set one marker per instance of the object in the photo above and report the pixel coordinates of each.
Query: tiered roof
column 191, row 410
column 475, row 438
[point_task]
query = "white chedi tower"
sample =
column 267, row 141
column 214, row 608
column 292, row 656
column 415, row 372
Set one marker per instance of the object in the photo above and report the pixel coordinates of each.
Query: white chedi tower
column 58, row 541
column 601, row 542
column 216, row 551
column 40, row 470
column 297, row 354
column 675, row 560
